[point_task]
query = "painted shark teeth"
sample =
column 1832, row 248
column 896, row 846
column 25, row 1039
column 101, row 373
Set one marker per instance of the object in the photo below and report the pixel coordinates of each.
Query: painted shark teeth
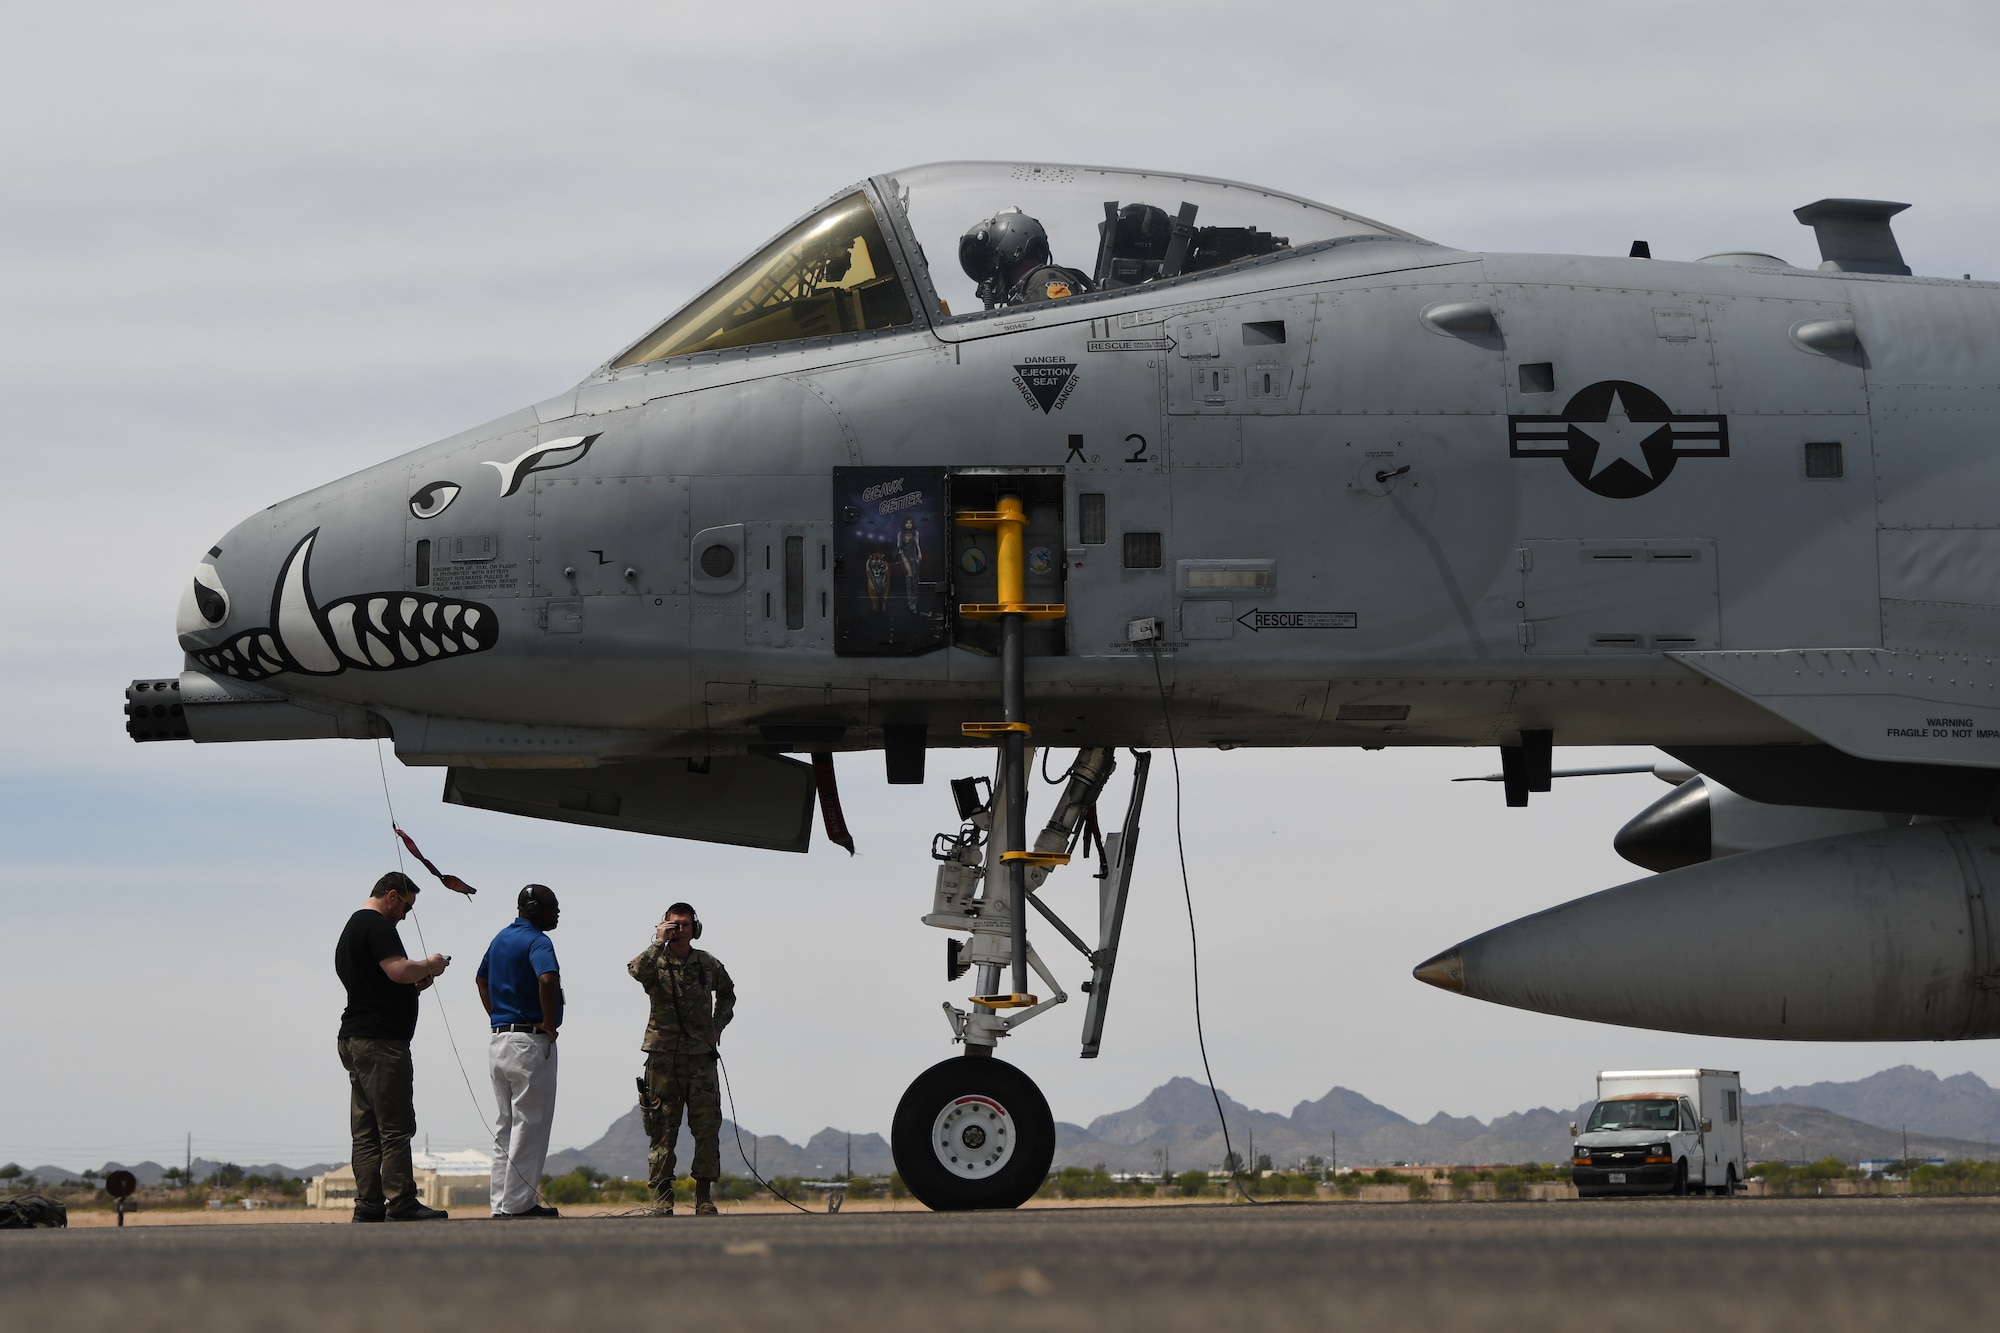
column 370, row 631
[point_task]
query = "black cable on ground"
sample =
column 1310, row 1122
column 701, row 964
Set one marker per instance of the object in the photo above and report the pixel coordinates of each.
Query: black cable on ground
column 1194, row 939
column 739, row 1139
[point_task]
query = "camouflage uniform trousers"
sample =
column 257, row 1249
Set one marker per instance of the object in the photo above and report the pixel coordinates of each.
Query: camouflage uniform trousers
column 674, row 1081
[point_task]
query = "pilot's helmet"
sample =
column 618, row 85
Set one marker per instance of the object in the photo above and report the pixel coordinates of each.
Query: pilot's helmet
column 1143, row 232
column 995, row 248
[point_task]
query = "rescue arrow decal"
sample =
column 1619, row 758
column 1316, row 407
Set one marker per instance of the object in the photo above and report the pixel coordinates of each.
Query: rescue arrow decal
column 1258, row 621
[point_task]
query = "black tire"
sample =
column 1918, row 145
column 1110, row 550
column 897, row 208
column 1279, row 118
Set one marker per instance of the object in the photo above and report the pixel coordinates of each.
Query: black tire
column 1729, row 1183
column 1681, row 1179
column 946, row 1175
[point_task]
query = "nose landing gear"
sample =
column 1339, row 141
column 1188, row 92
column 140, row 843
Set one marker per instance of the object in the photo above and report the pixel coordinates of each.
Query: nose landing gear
column 975, row 1132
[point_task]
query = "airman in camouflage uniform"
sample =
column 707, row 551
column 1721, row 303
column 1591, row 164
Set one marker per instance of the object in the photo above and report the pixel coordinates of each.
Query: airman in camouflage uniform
column 693, row 1000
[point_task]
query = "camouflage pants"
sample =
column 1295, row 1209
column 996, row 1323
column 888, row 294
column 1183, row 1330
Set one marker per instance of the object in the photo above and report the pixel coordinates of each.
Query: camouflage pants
column 674, row 1082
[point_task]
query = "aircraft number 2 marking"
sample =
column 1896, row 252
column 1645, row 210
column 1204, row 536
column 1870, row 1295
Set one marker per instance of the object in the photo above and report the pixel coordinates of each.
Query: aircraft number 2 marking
column 1138, row 454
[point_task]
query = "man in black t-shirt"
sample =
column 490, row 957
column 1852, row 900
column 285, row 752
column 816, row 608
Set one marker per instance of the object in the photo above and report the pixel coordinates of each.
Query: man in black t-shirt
column 382, row 983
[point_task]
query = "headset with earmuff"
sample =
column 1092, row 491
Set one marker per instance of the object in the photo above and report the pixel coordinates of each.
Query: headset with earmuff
column 688, row 908
column 532, row 904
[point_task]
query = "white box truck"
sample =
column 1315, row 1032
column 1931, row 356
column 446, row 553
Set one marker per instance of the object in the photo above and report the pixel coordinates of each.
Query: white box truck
column 1661, row 1131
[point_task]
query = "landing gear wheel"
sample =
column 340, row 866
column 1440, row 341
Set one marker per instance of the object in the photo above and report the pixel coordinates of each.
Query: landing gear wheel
column 973, row 1132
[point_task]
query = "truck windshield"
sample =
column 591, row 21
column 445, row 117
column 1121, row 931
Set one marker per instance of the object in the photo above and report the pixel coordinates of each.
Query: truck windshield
column 1661, row 1113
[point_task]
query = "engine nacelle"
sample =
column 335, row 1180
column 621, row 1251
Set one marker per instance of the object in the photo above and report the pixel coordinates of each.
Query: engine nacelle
column 1887, row 935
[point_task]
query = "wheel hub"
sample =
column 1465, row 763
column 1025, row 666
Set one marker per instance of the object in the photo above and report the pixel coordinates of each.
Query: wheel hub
column 973, row 1137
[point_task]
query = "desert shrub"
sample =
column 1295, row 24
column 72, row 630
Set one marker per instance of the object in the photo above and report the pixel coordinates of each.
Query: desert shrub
column 1082, row 1182
column 574, row 1187
column 1960, row 1177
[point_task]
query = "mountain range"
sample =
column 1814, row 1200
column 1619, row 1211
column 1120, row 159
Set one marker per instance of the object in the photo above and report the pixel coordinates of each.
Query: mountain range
column 1962, row 1106
column 150, row 1173
column 1175, row 1126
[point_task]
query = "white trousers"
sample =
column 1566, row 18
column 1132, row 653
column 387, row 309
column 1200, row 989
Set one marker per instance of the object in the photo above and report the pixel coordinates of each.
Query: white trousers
column 523, row 1066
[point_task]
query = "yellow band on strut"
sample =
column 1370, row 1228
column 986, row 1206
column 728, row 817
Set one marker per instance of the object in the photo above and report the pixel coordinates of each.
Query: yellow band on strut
column 1014, row 1001
column 988, row 730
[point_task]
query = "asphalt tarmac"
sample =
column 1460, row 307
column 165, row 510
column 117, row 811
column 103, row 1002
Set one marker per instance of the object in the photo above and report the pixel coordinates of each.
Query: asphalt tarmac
column 1766, row 1264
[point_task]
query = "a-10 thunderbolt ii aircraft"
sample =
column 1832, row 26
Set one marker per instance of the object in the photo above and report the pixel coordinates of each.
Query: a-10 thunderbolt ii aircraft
column 1037, row 455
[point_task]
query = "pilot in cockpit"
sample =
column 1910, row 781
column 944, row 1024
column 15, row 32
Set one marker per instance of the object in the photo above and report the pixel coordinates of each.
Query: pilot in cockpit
column 1008, row 256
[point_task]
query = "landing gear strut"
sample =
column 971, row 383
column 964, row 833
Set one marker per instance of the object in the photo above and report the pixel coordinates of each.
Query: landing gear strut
column 975, row 1132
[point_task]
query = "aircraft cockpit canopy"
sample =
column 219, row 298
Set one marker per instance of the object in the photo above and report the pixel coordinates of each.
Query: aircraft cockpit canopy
column 1108, row 227
column 962, row 238
column 831, row 273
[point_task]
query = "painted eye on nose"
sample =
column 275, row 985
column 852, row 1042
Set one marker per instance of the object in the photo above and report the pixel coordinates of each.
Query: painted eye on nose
column 212, row 605
column 209, row 597
column 434, row 499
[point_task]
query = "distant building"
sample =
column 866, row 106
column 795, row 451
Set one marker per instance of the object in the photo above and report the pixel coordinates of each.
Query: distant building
column 444, row 1180
column 1876, row 1166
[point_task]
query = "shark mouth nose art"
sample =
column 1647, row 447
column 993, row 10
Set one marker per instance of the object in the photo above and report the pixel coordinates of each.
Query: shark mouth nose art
column 371, row 631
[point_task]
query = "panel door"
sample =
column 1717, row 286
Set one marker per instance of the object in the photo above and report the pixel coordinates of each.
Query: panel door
column 609, row 537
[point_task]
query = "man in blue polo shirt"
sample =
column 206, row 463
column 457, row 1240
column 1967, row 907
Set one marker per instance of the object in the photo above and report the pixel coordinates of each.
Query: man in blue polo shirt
column 522, row 991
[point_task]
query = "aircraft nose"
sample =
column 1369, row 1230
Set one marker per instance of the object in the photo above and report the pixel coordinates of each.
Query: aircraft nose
column 1446, row 971
column 311, row 633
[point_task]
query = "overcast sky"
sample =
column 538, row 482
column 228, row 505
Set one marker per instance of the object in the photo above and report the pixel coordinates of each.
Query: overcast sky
column 246, row 249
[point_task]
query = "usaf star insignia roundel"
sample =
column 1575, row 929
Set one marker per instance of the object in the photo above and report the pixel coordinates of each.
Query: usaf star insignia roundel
column 1619, row 439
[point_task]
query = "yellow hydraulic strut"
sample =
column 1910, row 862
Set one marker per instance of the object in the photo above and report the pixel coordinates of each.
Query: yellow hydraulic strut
column 1010, row 520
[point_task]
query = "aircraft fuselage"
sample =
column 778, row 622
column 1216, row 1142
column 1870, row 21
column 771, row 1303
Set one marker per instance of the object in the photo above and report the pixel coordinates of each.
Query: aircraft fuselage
column 1365, row 528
